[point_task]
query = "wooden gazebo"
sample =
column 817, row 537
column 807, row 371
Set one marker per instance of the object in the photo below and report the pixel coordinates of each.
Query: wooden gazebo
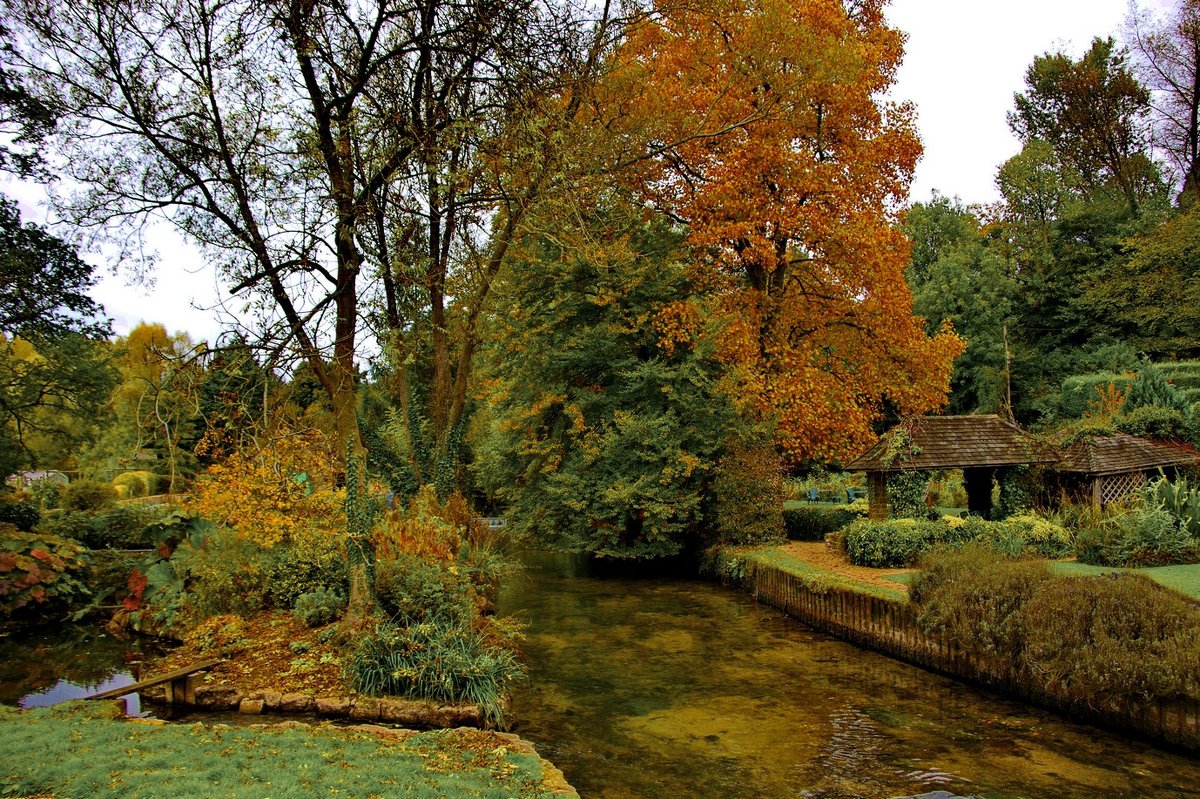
column 1110, row 468
column 979, row 445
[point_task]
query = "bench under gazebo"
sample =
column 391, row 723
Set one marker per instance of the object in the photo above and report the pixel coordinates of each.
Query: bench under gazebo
column 979, row 445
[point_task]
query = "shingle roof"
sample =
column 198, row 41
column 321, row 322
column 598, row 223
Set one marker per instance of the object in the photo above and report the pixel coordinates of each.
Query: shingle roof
column 948, row 442
column 1122, row 453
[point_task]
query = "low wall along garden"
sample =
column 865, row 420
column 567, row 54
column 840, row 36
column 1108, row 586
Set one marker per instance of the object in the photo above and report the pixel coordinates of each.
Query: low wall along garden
column 890, row 626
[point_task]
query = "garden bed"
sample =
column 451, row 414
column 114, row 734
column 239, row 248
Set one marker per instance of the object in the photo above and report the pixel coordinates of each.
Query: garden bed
column 273, row 663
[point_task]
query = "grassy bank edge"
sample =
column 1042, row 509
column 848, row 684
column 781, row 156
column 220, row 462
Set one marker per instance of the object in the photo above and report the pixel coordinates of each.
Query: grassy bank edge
column 1182, row 578
column 83, row 749
column 742, row 560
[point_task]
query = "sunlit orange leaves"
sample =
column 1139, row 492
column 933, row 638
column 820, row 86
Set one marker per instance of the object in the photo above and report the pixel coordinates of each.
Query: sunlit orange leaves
column 768, row 139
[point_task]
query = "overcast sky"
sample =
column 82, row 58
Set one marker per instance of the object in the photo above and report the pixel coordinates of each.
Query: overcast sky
column 964, row 61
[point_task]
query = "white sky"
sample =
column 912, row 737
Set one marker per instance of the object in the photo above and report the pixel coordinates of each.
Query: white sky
column 964, row 60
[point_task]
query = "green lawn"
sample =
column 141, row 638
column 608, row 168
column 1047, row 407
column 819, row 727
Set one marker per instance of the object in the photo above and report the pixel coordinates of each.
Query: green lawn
column 817, row 577
column 1185, row 578
column 80, row 750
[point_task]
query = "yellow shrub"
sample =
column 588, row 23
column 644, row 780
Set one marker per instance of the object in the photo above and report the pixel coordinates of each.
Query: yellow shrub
column 270, row 495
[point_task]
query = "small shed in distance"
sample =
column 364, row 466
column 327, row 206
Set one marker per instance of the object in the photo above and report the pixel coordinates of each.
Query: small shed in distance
column 1109, row 468
column 979, row 445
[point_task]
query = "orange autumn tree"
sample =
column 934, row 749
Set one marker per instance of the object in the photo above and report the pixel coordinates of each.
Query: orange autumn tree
column 770, row 141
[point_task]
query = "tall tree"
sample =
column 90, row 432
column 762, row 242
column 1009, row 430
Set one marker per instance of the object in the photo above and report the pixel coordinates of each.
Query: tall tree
column 769, row 140
column 605, row 434
column 1094, row 114
column 51, row 396
column 1166, row 51
column 44, row 283
column 54, row 365
column 956, row 277
column 25, row 119
column 269, row 132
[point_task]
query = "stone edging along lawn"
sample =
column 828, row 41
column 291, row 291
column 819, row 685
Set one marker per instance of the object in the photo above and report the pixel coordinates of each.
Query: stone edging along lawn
column 414, row 712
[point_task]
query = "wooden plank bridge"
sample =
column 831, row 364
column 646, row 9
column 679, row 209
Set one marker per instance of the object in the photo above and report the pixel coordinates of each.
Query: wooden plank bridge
column 176, row 682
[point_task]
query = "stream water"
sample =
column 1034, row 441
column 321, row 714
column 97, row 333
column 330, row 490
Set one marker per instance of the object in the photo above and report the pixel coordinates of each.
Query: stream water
column 642, row 689
column 48, row 665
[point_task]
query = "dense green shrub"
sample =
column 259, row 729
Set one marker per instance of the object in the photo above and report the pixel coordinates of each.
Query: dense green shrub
column 1152, row 421
column 812, row 524
column 226, row 574
column 891, row 543
column 972, row 596
column 320, row 607
column 65, row 524
column 311, row 561
column 87, row 495
column 1151, row 389
column 136, row 484
column 439, row 661
column 1080, row 392
column 1145, row 536
column 40, row 575
column 46, row 493
column 748, row 493
column 21, row 514
column 1105, row 641
column 899, row 542
column 1111, row 638
column 412, row 590
column 1040, row 536
column 115, row 527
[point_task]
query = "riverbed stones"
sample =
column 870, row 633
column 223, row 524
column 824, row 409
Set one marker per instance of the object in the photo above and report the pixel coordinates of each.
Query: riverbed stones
column 338, row 706
column 297, row 703
column 270, row 699
column 366, row 708
column 218, row 697
column 251, row 706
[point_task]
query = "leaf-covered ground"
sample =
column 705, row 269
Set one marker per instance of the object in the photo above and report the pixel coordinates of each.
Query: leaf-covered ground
column 265, row 651
column 84, row 750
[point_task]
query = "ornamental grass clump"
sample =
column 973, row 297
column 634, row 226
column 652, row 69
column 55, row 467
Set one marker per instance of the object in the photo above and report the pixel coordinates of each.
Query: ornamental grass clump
column 439, row 661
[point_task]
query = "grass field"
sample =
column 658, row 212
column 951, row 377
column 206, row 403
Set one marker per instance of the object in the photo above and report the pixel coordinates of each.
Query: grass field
column 1185, row 578
column 81, row 750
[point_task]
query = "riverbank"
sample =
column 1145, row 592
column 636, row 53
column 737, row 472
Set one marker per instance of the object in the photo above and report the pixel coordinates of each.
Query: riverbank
column 91, row 750
column 873, row 615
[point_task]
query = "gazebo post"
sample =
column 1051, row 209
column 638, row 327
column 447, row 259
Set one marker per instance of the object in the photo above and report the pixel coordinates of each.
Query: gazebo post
column 877, row 500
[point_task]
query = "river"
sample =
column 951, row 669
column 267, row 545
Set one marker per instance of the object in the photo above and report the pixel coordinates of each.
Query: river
column 682, row 689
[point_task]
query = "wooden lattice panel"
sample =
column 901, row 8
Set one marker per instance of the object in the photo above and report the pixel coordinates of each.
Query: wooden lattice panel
column 1116, row 487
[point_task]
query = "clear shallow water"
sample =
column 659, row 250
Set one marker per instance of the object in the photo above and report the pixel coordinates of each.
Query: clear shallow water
column 645, row 688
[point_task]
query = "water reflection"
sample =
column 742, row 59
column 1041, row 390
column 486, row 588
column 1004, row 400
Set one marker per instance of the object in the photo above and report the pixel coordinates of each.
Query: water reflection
column 644, row 688
column 51, row 665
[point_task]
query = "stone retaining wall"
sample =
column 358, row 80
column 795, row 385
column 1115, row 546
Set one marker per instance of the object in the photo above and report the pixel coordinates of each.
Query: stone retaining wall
column 409, row 712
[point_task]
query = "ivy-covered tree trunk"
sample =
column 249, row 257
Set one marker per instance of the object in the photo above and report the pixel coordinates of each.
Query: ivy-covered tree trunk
column 359, row 517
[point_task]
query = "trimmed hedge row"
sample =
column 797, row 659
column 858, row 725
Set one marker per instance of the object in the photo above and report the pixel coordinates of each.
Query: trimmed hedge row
column 812, row 524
